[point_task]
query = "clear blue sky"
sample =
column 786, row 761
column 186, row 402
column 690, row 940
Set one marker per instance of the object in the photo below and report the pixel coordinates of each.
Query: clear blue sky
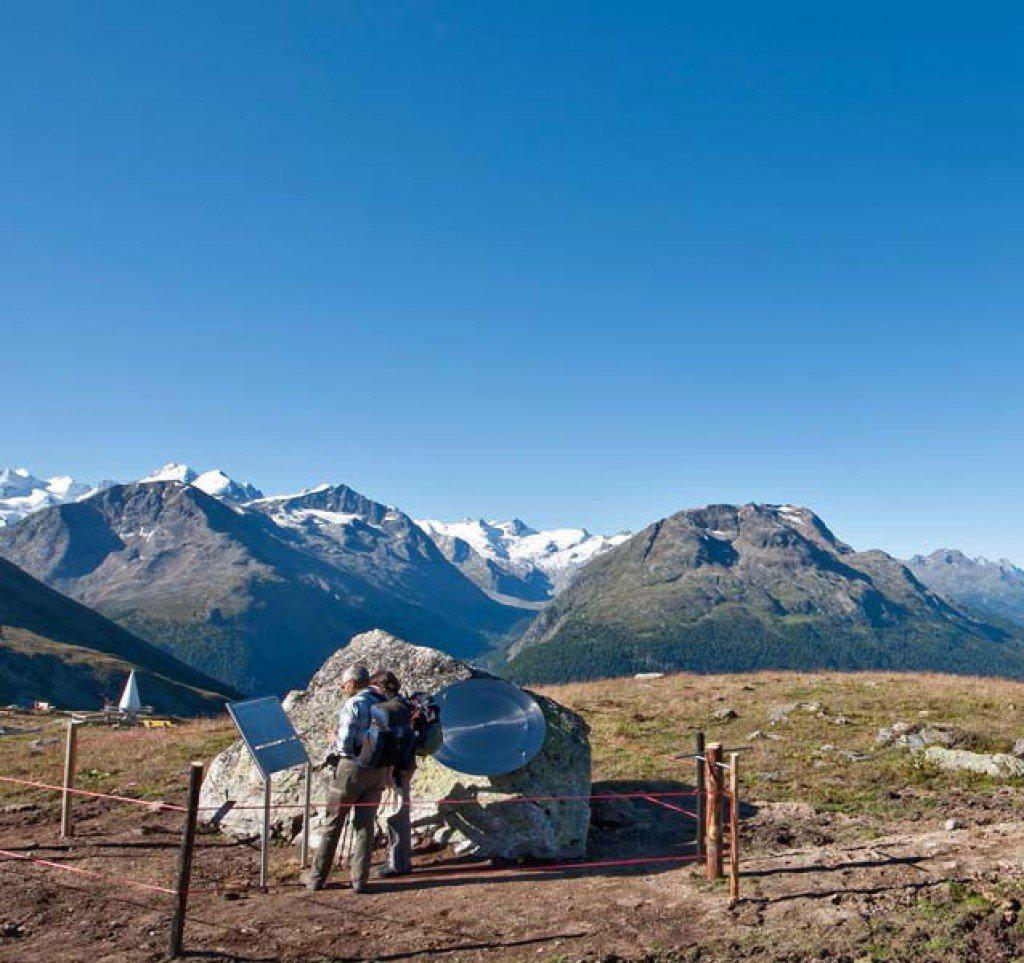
column 584, row 263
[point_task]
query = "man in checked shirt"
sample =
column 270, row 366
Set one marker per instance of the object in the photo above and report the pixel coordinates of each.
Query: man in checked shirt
column 352, row 787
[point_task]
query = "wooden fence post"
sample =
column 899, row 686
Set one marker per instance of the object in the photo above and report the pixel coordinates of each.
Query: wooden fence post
column 734, row 826
column 70, row 764
column 713, row 771
column 188, row 841
column 698, row 744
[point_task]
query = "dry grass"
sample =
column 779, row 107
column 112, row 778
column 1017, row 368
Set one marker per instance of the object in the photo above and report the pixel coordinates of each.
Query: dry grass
column 147, row 763
column 639, row 725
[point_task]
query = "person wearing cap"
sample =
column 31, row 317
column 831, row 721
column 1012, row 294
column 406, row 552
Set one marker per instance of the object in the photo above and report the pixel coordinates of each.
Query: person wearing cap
column 353, row 787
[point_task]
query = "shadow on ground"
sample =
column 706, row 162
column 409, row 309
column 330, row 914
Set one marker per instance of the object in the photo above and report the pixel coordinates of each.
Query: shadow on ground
column 638, row 828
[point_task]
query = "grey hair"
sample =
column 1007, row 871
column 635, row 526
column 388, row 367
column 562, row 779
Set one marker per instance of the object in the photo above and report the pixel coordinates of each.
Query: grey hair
column 357, row 674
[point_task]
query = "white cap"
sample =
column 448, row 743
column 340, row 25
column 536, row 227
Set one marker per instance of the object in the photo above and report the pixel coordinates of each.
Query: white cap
column 357, row 674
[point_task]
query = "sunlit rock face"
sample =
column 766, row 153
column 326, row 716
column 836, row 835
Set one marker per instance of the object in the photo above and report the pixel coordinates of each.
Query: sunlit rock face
column 485, row 824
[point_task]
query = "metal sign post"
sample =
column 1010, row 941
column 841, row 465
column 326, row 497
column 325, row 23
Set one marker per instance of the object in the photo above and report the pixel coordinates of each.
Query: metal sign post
column 274, row 745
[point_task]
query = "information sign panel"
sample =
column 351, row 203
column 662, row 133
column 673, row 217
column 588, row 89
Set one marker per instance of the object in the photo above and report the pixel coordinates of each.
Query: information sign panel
column 269, row 734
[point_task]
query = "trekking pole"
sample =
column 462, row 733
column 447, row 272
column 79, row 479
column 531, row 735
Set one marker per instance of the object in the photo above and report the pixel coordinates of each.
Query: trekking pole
column 308, row 773
column 346, row 834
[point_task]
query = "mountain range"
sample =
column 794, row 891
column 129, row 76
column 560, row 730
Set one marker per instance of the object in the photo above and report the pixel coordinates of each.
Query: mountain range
column 53, row 648
column 257, row 590
column 512, row 562
column 994, row 589
column 21, row 493
column 256, row 595
column 515, row 563
column 747, row 587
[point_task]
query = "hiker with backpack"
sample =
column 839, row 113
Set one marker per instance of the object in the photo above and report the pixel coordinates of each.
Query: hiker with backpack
column 421, row 729
column 367, row 745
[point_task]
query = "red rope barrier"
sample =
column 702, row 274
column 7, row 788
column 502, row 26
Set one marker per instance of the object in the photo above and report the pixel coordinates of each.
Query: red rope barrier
column 677, row 809
column 158, row 806
column 477, row 799
column 84, row 872
column 154, row 805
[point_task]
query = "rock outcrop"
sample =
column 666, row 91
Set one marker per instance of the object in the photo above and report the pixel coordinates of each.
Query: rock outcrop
column 999, row 765
column 918, row 735
column 485, row 824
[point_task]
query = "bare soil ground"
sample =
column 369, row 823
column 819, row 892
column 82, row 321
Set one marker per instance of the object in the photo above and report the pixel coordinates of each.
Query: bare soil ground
column 846, row 854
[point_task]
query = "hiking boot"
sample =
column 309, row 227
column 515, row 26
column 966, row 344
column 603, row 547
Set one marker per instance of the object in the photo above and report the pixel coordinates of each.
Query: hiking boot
column 311, row 881
column 389, row 872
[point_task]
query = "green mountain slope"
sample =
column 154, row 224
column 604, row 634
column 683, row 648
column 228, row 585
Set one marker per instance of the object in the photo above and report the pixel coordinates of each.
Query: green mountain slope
column 56, row 649
column 730, row 588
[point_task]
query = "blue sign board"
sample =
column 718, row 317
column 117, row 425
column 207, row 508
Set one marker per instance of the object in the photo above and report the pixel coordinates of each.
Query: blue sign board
column 269, row 734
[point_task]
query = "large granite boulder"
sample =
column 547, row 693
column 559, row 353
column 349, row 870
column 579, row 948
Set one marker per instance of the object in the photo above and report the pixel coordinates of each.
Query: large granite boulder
column 485, row 824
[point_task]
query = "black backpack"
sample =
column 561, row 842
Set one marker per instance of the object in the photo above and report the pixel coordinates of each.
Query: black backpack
column 389, row 740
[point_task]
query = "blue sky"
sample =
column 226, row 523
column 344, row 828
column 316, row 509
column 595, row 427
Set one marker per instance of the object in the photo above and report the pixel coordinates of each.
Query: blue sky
column 583, row 263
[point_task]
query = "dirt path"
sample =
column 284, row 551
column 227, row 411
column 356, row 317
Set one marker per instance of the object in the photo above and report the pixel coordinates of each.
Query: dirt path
column 796, row 899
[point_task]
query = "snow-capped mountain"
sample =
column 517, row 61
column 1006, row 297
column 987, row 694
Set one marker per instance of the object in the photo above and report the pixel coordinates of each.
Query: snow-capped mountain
column 22, row 493
column 512, row 562
column 515, row 562
column 219, row 485
column 214, row 482
column 172, row 471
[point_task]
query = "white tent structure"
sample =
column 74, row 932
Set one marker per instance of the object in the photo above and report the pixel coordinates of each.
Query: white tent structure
column 130, row 701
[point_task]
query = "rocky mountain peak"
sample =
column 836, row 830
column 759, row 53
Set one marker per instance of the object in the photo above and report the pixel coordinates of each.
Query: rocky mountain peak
column 944, row 556
column 330, row 505
column 215, row 482
column 219, row 485
column 516, row 528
